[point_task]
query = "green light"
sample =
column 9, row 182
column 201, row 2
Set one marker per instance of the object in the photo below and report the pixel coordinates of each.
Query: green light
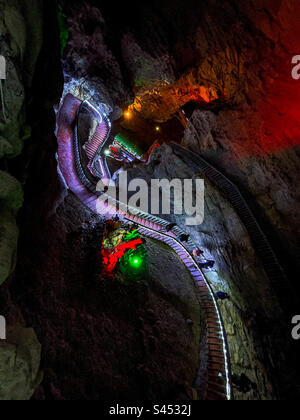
column 136, row 262
column 131, row 236
column 63, row 28
column 125, row 142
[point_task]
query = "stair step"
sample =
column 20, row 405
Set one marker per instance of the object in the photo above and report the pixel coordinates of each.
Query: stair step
column 212, row 371
column 214, row 333
column 215, row 341
column 216, row 363
column 216, row 386
column 216, row 352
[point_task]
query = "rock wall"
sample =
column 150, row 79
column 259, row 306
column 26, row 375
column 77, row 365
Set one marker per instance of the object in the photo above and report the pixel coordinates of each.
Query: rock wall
column 27, row 123
column 20, row 358
column 252, row 314
column 233, row 59
column 238, row 54
column 160, row 57
column 20, row 43
column 58, row 271
column 103, row 339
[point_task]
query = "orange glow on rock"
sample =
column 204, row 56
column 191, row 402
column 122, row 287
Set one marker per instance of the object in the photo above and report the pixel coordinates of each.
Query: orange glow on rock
column 161, row 101
column 128, row 114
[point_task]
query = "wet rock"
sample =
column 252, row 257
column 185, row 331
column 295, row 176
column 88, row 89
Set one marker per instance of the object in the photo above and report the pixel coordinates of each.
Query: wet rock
column 19, row 364
column 21, row 38
column 5, row 148
column 11, row 195
column 238, row 271
column 100, row 329
column 11, row 192
column 16, row 26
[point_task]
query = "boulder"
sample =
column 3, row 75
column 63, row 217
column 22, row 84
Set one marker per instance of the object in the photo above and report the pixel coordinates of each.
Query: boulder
column 19, row 364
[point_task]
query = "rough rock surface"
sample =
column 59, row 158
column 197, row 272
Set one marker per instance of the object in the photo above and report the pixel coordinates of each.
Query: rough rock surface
column 11, row 196
column 253, row 126
column 241, row 52
column 17, row 37
column 19, row 364
column 23, row 38
column 113, row 340
column 238, row 272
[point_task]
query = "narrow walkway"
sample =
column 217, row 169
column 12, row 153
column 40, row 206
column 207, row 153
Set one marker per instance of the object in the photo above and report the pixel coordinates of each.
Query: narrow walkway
column 218, row 375
column 275, row 273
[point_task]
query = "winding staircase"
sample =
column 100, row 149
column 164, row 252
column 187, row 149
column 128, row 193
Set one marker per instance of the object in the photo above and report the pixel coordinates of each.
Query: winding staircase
column 273, row 268
column 83, row 183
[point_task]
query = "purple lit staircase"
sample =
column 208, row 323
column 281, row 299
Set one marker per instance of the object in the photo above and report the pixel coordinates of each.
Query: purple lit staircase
column 216, row 376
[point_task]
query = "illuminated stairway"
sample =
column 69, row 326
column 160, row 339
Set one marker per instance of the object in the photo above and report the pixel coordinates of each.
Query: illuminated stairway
column 218, row 384
column 92, row 148
column 261, row 244
column 217, row 376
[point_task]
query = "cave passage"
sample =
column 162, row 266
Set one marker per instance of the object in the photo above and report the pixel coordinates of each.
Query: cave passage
column 182, row 283
column 78, row 179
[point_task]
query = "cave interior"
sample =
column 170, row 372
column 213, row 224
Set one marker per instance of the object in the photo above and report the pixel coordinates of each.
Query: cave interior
column 103, row 305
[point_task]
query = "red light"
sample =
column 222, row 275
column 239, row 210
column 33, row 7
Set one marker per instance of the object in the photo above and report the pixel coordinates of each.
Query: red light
column 111, row 260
